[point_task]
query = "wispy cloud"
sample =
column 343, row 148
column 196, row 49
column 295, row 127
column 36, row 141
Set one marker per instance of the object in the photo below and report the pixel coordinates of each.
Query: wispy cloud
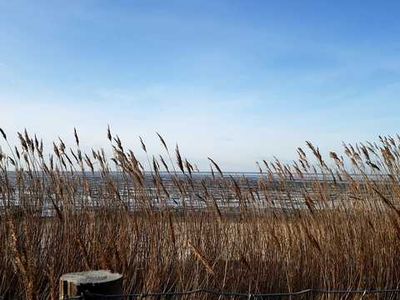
column 238, row 81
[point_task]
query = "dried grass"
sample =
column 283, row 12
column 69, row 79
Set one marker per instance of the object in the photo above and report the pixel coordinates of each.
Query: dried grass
column 330, row 224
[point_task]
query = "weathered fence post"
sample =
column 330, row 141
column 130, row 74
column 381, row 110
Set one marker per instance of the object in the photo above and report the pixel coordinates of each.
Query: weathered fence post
column 101, row 282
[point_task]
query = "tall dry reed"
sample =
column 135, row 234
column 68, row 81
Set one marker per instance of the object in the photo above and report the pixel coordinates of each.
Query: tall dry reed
column 314, row 223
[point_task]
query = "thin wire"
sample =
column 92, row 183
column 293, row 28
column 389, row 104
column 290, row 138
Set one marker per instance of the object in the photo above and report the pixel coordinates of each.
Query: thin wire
column 242, row 295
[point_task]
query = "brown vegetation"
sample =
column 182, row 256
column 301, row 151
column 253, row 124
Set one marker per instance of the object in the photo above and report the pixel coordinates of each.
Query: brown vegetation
column 311, row 224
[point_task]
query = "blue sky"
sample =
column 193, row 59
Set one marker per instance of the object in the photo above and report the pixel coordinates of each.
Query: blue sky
column 236, row 80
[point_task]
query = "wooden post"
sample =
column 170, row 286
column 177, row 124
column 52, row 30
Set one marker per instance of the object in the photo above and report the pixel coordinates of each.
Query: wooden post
column 84, row 283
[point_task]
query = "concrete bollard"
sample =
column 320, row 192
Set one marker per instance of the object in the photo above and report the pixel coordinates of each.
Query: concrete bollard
column 101, row 282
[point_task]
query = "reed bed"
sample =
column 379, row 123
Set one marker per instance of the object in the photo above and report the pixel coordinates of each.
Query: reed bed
column 329, row 223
